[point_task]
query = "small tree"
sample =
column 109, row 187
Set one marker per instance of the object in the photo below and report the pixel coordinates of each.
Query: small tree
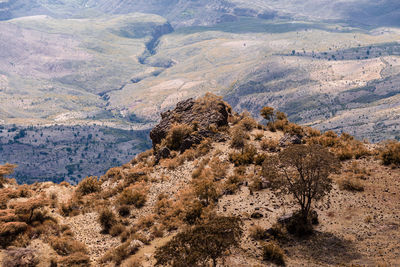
column 5, row 170
column 304, row 172
column 268, row 113
column 200, row 244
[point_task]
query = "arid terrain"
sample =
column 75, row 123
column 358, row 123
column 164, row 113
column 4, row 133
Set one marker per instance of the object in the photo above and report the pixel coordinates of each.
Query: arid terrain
column 333, row 65
column 196, row 172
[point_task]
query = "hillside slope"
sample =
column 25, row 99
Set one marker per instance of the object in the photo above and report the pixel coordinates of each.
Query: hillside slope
column 142, row 205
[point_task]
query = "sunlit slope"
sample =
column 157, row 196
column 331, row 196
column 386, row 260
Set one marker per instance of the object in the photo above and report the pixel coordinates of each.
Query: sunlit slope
column 54, row 66
column 312, row 71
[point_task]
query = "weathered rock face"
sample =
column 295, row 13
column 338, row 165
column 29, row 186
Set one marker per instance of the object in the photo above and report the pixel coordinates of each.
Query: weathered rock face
column 192, row 112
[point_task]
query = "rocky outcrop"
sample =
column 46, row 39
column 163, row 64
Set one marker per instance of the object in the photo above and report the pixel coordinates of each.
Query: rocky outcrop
column 201, row 114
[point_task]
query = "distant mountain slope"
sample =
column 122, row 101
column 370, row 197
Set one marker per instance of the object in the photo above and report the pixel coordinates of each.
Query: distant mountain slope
column 207, row 12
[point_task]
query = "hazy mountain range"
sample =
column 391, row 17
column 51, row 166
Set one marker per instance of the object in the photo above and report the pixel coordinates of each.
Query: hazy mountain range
column 102, row 64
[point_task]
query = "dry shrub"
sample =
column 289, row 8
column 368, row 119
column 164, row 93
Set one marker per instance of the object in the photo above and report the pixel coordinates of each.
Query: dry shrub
column 344, row 153
column 134, row 195
column 391, row 153
column 293, row 129
column 157, row 231
column 7, row 215
column 122, row 252
column 257, row 232
column 5, row 170
column 311, row 132
column 271, row 145
column 171, row 164
column 70, row 208
column 65, row 245
column 344, row 147
column 20, row 257
column 244, row 158
column 114, row 174
column 10, row 231
column 188, row 155
column 186, row 208
column 203, row 148
column 258, row 136
column 351, row 184
column 132, row 262
column 31, row 211
column 89, row 185
column 272, row 252
column 75, row 259
column 107, row 219
column 136, row 174
column 143, row 157
column 232, row 184
column 146, row 222
column 218, row 168
column 116, row 229
column 124, row 210
column 200, row 168
column 239, row 137
column 5, row 195
column 176, row 135
column 205, row 188
column 256, row 183
column 162, row 205
column 278, row 125
column 65, row 184
column 248, row 123
column 259, row 158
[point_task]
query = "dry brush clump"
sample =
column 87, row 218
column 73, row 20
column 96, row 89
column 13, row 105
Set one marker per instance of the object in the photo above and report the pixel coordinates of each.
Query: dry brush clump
column 65, row 245
column 201, row 244
column 122, row 252
column 107, row 219
column 135, row 195
column 272, row 252
column 351, row 183
column 20, row 257
column 247, row 156
column 390, row 154
column 5, row 170
column 345, row 147
column 89, row 185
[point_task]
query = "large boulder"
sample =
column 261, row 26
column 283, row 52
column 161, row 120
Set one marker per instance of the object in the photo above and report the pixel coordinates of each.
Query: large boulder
column 201, row 114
